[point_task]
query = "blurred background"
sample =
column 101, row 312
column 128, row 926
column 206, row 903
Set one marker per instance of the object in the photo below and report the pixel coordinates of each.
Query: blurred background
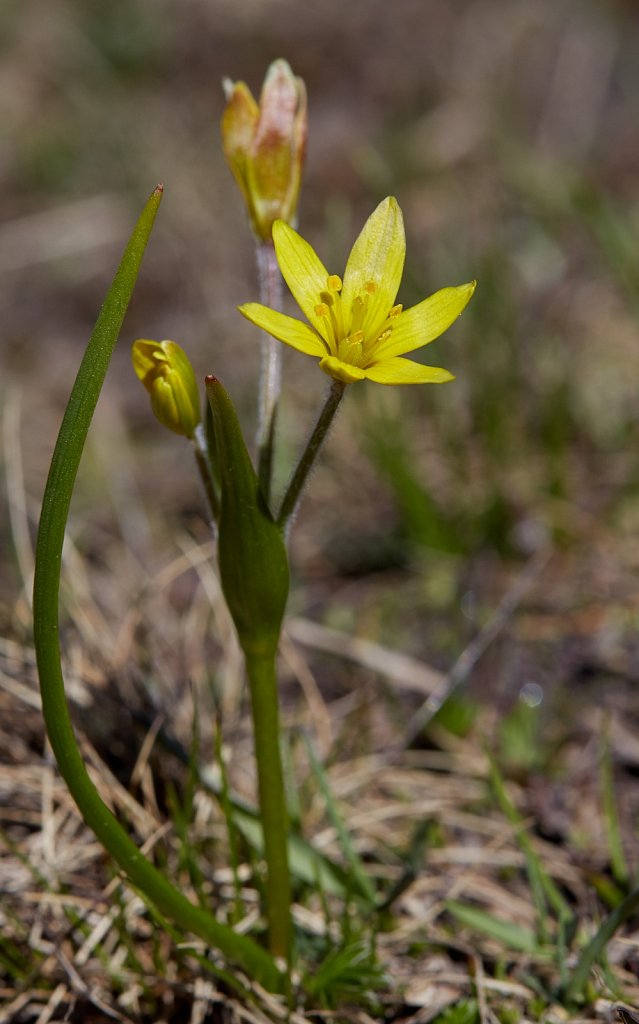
column 503, row 506
column 509, row 133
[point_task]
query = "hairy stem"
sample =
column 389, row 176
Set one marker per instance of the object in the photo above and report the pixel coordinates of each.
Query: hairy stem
column 270, row 288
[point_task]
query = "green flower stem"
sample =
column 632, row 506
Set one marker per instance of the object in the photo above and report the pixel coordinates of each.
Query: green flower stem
column 270, row 288
column 254, row 576
column 304, row 466
column 264, row 699
column 206, row 475
column 168, row 900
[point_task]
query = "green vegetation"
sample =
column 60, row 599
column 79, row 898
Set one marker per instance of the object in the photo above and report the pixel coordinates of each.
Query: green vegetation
column 450, row 765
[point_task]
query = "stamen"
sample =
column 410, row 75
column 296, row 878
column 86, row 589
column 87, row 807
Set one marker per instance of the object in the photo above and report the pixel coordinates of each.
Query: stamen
column 321, row 309
column 387, row 326
column 357, row 337
column 334, row 283
column 338, row 320
column 333, row 304
column 358, row 310
column 350, row 350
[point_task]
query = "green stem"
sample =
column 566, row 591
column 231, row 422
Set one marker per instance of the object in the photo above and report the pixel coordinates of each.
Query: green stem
column 204, row 469
column 264, row 700
column 55, row 508
column 309, row 454
column 270, row 289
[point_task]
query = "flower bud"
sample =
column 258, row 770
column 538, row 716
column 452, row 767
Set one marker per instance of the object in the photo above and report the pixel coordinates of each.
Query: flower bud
column 264, row 145
column 251, row 552
column 165, row 370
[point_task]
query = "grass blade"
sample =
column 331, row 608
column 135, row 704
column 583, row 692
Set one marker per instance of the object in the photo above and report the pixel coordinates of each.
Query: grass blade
column 618, row 863
column 360, row 875
column 513, row 936
column 307, row 864
column 543, row 888
column 597, row 945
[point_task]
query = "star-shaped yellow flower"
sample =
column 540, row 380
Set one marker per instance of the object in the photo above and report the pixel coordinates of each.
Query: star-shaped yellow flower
column 354, row 327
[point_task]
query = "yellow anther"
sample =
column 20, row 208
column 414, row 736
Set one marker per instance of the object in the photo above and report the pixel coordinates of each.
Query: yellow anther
column 334, row 283
column 396, row 310
column 321, row 309
column 357, row 336
column 384, row 335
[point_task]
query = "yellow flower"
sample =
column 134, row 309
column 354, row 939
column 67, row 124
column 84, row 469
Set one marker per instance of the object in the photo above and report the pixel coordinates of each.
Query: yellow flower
column 354, row 326
column 165, row 370
column 264, row 145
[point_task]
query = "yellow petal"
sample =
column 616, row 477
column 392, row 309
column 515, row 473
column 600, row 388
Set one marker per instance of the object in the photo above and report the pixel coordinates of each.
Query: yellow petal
column 334, row 367
column 377, row 259
column 146, row 355
column 423, row 323
column 239, row 122
column 303, row 271
column 285, row 328
column 405, row 371
column 165, row 370
column 173, row 404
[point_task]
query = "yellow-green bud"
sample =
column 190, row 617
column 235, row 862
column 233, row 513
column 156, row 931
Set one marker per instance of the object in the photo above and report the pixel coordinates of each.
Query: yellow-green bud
column 165, row 370
column 265, row 145
column 251, row 552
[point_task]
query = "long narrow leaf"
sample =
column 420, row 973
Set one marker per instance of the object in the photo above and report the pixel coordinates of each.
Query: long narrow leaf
column 55, row 507
column 511, row 935
column 544, row 889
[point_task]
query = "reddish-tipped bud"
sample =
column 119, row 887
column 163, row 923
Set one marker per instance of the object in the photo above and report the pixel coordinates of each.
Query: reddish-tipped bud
column 265, row 145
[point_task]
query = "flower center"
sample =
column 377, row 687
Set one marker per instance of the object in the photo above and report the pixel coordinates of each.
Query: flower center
column 346, row 328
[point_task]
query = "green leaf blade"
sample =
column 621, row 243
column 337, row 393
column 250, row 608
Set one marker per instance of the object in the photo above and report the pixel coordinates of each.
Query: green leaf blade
column 65, row 461
column 509, row 934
